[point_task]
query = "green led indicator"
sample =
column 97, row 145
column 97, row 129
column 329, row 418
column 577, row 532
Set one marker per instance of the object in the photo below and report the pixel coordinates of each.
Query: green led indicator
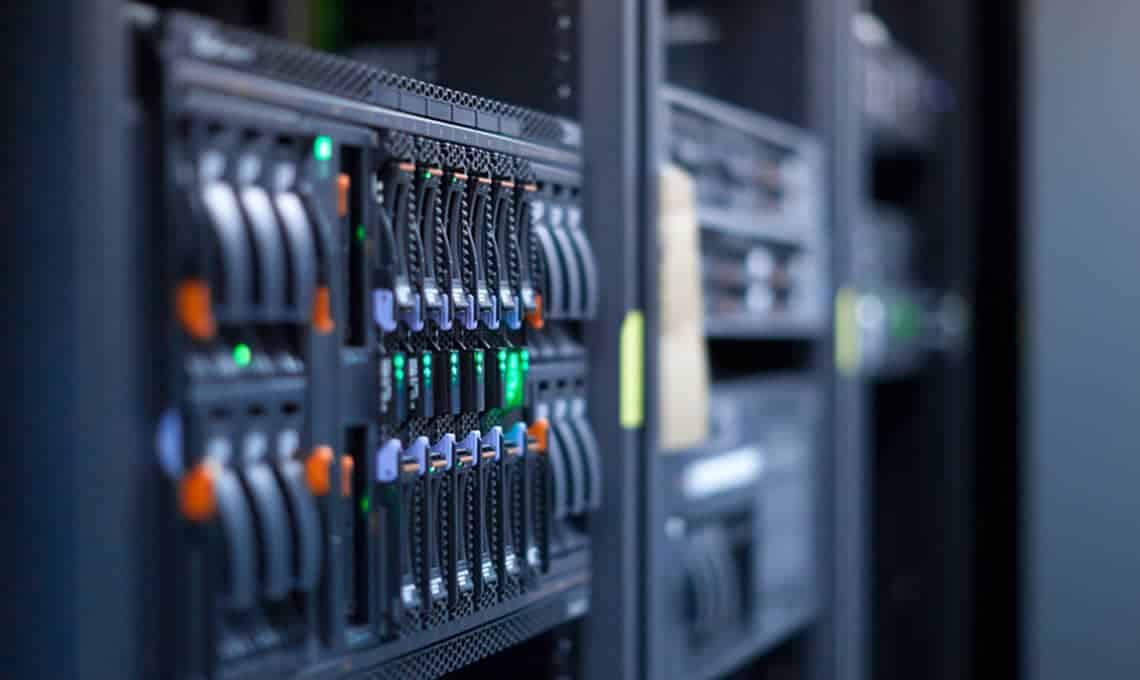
column 427, row 361
column 242, row 354
column 514, row 380
column 427, row 373
column 427, row 175
column 905, row 320
column 322, row 148
column 360, row 233
column 399, row 375
column 398, row 361
column 454, row 358
column 502, row 355
column 454, row 180
column 365, row 504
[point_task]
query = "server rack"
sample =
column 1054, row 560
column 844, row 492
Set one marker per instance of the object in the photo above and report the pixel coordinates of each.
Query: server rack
column 623, row 157
column 856, row 499
column 821, row 32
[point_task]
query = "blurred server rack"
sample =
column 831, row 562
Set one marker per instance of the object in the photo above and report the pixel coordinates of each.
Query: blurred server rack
column 763, row 193
column 898, row 276
column 907, row 305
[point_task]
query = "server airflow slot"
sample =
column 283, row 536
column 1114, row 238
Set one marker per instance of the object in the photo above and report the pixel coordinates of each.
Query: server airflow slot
column 356, row 233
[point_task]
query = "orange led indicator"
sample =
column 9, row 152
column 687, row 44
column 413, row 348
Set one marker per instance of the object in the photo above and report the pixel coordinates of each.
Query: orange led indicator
column 534, row 317
column 346, row 465
column 317, row 470
column 539, row 431
column 322, row 311
column 343, row 184
column 196, row 497
column 194, row 309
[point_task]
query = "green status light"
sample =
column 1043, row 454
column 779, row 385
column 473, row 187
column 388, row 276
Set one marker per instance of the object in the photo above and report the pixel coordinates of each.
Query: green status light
column 361, row 234
column 427, row 175
column 323, row 148
column 427, row 360
column 365, row 505
column 398, row 360
column 243, row 355
column 905, row 319
column 514, row 380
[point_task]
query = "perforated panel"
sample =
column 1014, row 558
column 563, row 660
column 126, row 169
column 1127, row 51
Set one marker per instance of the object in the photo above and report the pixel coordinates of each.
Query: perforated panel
column 278, row 59
column 468, row 648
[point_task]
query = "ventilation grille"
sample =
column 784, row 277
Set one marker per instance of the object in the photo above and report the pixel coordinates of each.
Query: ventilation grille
column 280, row 60
column 255, row 53
column 460, row 651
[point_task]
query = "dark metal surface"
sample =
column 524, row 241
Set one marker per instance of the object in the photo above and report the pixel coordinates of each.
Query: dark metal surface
column 952, row 210
column 73, row 426
column 614, row 203
column 285, row 94
column 1080, row 389
column 841, row 640
column 998, row 340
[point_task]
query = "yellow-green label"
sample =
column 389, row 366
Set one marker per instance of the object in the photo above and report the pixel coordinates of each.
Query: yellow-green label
column 846, row 332
column 633, row 369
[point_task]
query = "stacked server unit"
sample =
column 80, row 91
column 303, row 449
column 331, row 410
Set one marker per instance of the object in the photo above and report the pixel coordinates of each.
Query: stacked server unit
column 739, row 525
column 901, row 311
column 376, row 433
column 738, row 513
column 759, row 183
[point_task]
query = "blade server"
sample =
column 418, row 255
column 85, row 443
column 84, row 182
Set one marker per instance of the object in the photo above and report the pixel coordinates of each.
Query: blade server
column 375, row 433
